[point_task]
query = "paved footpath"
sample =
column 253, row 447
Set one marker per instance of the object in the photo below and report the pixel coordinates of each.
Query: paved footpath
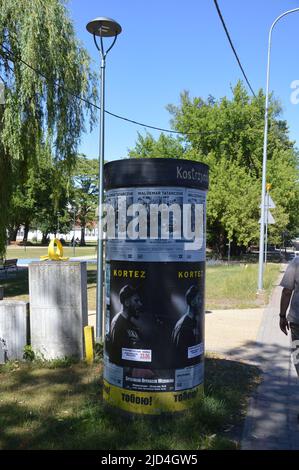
column 271, row 422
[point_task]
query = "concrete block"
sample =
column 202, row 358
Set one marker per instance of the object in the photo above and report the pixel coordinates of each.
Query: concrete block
column 58, row 308
column 14, row 328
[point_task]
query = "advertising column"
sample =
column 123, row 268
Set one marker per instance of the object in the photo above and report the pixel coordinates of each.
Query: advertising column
column 155, row 282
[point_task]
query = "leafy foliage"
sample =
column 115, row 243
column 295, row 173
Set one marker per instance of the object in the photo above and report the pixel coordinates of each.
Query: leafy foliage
column 41, row 110
column 164, row 147
column 85, row 191
column 37, row 201
column 29, row 354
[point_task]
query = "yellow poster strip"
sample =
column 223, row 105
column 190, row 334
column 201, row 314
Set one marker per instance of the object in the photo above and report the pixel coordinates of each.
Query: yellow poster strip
column 151, row 403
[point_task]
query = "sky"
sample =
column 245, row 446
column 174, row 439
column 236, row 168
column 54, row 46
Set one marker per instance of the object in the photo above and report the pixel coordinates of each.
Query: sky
column 167, row 46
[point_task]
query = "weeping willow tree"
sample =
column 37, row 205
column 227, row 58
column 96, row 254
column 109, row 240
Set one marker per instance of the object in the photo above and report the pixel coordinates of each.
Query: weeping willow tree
column 44, row 68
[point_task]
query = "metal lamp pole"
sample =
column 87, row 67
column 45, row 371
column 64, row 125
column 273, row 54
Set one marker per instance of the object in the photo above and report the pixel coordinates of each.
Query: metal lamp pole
column 101, row 27
column 267, row 224
column 262, row 227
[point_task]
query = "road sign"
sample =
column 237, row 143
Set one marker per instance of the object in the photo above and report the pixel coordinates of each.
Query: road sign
column 268, row 218
column 269, row 204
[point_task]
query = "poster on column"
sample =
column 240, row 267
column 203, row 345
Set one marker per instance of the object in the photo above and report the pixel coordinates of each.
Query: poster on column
column 155, row 274
column 156, row 325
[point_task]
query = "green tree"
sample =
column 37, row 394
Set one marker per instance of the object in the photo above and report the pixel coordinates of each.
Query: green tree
column 50, row 190
column 37, row 201
column 164, row 147
column 41, row 109
column 85, row 192
column 228, row 135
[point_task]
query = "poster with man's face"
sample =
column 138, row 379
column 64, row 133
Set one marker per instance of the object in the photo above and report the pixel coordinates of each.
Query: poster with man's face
column 156, row 319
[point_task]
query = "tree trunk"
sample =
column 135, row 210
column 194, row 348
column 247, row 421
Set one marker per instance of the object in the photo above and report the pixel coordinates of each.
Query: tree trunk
column 44, row 238
column 222, row 243
column 13, row 232
column 237, row 250
column 26, row 231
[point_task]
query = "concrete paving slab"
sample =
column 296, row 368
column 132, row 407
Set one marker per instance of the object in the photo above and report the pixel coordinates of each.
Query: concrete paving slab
column 230, row 332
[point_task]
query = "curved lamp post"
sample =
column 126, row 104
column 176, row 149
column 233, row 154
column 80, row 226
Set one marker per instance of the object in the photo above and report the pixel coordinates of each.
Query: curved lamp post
column 101, row 27
column 262, row 227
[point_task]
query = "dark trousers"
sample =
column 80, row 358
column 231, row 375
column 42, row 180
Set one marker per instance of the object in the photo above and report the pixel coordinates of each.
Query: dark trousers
column 295, row 344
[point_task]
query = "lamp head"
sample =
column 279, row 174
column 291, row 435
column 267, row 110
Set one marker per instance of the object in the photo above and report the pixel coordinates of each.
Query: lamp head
column 102, row 26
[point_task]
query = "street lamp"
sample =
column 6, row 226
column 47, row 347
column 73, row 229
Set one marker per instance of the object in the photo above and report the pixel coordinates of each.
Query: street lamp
column 262, row 227
column 102, row 27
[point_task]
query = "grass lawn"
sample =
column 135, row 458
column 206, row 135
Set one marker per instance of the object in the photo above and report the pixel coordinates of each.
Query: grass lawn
column 227, row 287
column 47, row 407
column 235, row 286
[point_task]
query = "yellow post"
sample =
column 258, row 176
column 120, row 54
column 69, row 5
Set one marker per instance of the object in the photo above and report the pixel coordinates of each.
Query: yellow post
column 89, row 344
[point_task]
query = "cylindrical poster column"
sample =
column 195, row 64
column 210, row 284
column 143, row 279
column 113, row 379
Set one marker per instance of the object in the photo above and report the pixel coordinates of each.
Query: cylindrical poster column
column 155, row 275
